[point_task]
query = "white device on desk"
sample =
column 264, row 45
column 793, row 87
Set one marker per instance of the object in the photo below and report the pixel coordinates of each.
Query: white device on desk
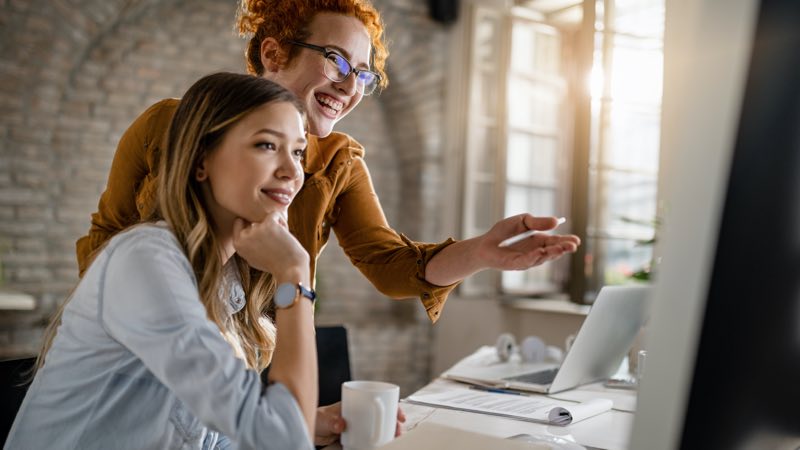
column 600, row 346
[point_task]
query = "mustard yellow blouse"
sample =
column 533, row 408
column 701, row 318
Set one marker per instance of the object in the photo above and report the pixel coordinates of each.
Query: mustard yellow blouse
column 337, row 194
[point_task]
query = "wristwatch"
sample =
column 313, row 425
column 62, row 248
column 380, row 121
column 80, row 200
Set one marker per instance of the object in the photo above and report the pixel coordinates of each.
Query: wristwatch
column 287, row 294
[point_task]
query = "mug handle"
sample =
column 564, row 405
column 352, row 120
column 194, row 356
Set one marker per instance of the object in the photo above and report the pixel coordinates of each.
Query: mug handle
column 376, row 428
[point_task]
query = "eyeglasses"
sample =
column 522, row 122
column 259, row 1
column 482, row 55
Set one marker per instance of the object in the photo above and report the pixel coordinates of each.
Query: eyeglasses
column 338, row 68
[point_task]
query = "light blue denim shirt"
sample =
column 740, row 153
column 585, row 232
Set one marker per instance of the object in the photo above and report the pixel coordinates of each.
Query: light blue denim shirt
column 136, row 364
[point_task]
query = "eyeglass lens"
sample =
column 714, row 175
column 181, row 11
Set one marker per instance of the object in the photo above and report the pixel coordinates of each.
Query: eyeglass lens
column 338, row 69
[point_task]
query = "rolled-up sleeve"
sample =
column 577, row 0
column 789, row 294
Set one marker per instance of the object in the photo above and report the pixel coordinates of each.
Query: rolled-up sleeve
column 131, row 170
column 150, row 304
column 393, row 263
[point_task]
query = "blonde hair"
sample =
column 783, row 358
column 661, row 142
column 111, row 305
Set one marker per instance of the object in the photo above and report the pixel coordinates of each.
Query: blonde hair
column 207, row 110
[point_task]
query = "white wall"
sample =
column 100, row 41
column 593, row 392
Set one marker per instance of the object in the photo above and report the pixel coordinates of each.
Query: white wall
column 470, row 323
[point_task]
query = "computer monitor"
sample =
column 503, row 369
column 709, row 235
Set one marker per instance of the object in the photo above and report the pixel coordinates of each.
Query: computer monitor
column 723, row 367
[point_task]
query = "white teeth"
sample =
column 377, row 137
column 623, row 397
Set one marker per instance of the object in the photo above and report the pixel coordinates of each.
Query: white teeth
column 331, row 103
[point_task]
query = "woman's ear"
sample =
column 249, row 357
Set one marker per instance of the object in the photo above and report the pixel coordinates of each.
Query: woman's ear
column 200, row 173
column 271, row 54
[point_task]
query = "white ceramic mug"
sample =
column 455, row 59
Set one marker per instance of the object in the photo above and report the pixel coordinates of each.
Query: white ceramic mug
column 370, row 410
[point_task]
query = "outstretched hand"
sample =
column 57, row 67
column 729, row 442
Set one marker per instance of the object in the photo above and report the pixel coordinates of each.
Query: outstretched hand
column 464, row 258
column 530, row 252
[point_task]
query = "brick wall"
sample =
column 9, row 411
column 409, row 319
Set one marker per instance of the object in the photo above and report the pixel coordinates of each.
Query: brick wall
column 75, row 73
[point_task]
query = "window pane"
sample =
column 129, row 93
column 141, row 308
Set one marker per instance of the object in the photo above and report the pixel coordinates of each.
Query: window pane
column 531, row 281
column 531, row 159
column 626, row 102
column 639, row 17
column 487, row 41
column 484, row 215
column 482, row 283
column 534, row 116
column 539, row 202
column 484, row 146
column 597, row 86
column 637, row 70
column 632, row 139
column 534, row 49
column 533, row 104
column 485, row 96
column 623, row 258
column 627, row 196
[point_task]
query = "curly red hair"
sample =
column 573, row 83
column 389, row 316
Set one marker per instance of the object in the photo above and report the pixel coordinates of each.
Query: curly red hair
column 287, row 20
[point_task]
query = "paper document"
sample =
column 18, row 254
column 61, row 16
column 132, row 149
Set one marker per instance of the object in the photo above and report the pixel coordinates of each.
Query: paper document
column 430, row 436
column 623, row 400
column 534, row 409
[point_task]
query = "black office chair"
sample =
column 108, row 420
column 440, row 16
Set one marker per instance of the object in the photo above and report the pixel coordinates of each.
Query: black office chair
column 13, row 374
column 333, row 361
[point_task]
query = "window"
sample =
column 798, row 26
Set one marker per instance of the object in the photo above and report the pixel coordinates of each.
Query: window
column 626, row 84
column 525, row 148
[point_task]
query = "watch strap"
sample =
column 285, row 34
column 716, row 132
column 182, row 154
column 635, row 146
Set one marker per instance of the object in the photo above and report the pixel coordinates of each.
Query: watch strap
column 307, row 293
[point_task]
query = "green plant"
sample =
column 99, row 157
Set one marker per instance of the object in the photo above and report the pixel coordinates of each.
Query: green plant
column 644, row 273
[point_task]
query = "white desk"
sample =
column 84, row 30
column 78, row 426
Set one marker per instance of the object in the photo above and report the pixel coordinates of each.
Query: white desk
column 609, row 430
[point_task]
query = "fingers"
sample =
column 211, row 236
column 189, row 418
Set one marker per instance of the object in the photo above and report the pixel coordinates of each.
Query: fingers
column 331, row 420
column 539, row 223
column 329, row 425
column 555, row 249
column 564, row 241
column 536, row 255
column 401, row 418
column 542, row 243
column 239, row 225
column 338, row 425
column 283, row 219
column 337, row 422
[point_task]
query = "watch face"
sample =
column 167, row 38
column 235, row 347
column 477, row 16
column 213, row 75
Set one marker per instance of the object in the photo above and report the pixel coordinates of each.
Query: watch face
column 285, row 295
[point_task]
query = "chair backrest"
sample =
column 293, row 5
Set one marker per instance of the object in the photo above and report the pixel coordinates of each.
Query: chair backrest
column 333, row 361
column 12, row 391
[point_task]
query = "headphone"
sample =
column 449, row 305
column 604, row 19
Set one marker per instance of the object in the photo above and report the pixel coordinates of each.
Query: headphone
column 532, row 350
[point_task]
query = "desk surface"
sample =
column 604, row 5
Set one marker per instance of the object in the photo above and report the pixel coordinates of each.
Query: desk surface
column 609, row 430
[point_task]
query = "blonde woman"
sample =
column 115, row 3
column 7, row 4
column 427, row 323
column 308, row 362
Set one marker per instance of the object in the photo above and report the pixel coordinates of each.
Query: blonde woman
column 161, row 343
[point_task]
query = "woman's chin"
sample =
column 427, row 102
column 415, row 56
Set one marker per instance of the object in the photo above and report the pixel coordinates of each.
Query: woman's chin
column 321, row 128
column 283, row 211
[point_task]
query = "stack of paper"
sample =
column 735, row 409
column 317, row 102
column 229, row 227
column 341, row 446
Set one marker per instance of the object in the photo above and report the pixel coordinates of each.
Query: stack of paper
column 534, row 409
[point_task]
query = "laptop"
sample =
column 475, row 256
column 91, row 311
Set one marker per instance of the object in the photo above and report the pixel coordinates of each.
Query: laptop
column 602, row 342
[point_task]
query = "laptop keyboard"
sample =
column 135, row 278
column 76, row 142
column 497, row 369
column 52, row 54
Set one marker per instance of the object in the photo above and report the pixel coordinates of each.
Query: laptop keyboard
column 543, row 377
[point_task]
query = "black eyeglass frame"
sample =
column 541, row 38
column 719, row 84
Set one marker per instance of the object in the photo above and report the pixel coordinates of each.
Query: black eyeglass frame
column 327, row 52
